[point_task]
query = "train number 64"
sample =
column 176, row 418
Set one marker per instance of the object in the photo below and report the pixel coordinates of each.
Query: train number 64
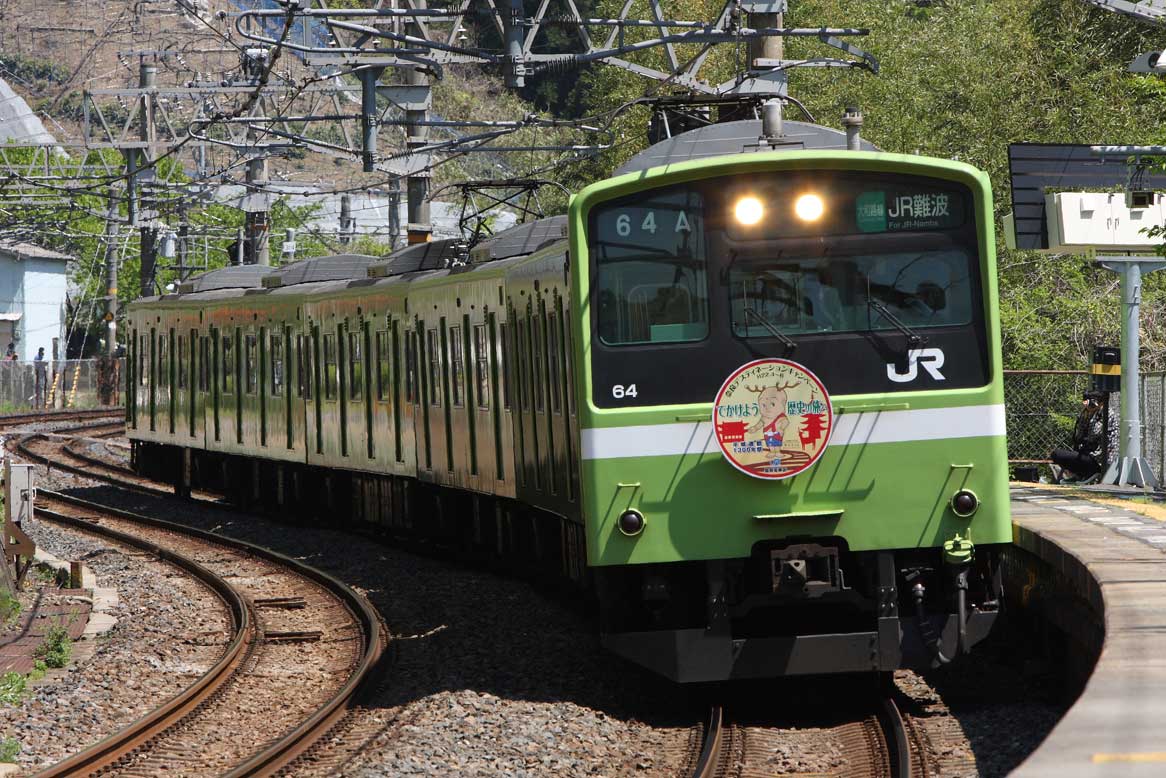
column 619, row 391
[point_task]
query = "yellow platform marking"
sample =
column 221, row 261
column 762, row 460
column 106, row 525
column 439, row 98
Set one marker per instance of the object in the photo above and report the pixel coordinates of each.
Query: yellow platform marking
column 1142, row 756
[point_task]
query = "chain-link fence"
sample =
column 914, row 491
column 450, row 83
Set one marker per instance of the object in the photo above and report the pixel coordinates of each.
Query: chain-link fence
column 1040, row 407
column 68, row 383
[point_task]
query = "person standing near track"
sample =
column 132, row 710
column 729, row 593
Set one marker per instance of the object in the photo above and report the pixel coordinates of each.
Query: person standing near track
column 1081, row 463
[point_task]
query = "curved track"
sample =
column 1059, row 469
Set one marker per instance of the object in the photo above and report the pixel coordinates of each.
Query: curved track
column 167, row 730
column 876, row 745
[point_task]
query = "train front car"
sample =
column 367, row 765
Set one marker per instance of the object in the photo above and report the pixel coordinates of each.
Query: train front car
column 792, row 412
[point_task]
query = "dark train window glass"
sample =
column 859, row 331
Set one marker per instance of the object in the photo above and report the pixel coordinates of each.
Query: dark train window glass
column 652, row 284
column 410, row 365
column 433, row 349
column 523, row 351
column 537, row 344
column 204, row 361
column 805, row 295
column 163, row 365
column 482, row 363
column 276, row 365
column 307, row 367
column 180, row 362
column 500, row 355
column 329, row 367
column 301, row 368
column 553, row 356
column 355, row 366
column 457, row 361
column 228, row 363
column 383, row 363
column 251, row 364
column 568, row 360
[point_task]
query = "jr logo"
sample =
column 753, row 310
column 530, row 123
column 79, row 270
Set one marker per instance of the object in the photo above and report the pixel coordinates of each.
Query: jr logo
column 930, row 358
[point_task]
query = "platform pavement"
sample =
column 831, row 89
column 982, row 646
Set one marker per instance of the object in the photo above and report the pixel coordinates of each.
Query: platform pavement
column 1117, row 560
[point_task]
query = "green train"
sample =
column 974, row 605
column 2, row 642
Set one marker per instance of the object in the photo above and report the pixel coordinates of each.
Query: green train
column 752, row 402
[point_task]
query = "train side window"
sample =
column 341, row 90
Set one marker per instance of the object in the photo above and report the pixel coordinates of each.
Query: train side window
column 143, row 358
column 410, row 366
column 433, row 347
column 303, row 367
column 482, row 365
column 457, row 361
column 500, row 353
column 520, row 341
column 397, row 438
column 537, row 344
column 569, row 360
column 228, row 363
column 329, row 366
column 163, row 365
column 382, row 347
column 554, row 354
column 276, row 365
column 249, row 367
column 204, row 363
column 355, row 366
column 180, row 362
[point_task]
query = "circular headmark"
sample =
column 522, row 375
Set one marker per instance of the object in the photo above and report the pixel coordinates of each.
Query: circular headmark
column 772, row 418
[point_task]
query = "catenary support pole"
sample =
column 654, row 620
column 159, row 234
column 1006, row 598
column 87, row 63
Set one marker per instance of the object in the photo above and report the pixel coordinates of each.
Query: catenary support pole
column 1131, row 467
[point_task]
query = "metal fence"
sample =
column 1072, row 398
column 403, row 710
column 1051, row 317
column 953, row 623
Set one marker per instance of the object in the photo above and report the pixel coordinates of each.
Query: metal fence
column 67, row 383
column 1041, row 406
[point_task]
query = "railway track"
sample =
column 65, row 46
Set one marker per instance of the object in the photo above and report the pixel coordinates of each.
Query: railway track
column 286, row 618
column 877, row 744
column 9, row 420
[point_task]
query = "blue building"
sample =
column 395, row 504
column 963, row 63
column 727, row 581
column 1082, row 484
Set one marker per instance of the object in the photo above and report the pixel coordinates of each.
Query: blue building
column 33, row 288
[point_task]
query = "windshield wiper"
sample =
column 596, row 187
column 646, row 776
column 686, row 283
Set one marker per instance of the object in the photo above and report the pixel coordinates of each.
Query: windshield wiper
column 790, row 343
column 913, row 337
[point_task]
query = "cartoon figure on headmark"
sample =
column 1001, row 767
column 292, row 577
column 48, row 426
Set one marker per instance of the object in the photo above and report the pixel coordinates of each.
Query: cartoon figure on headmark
column 771, row 407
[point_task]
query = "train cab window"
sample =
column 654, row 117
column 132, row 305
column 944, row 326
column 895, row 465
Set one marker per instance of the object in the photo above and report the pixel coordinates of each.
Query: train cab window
column 652, row 284
column 355, row 366
column 251, row 369
column 433, row 348
column 382, row 347
column 228, row 363
column 457, row 362
column 276, row 365
column 180, row 362
column 329, row 367
column 482, row 365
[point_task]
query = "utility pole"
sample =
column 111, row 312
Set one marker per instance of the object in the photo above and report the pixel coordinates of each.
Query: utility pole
column 107, row 381
column 417, row 135
column 148, row 233
column 258, row 216
column 345, row 219
column 764, row 52
column 394, row 215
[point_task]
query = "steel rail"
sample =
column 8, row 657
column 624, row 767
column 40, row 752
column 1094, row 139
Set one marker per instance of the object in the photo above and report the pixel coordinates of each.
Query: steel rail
column 108, row 751
column 22, row 447
column 895, row 733
column 15, row 419
column 288, row 748
column 708, row 763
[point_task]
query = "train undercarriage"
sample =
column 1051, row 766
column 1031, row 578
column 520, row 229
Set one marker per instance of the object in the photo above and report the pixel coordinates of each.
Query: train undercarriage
column 799, row 606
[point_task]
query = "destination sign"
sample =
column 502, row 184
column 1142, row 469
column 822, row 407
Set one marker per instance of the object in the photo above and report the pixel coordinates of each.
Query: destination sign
column 669, row 223
column 902, row 210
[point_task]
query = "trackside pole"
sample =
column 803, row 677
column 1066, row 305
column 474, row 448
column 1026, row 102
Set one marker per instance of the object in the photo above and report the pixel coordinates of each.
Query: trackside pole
column 1131, row 467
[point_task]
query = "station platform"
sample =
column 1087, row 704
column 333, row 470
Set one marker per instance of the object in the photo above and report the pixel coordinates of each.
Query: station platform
column 1115, row 559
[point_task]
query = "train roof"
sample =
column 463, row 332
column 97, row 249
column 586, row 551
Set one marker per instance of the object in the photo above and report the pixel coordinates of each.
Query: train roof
column 230, row 277
column 717, row 140
column 334, row 268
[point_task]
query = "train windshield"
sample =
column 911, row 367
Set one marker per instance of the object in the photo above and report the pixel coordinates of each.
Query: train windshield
column 863, row 292
column 839, row 270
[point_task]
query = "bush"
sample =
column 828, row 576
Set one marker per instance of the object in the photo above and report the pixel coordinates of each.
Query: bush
column 9, row 748
column 12, row 687
column 57, row 648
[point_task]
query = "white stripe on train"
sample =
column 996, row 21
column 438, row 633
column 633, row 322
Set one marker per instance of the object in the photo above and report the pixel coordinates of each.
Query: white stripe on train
column 659, row 440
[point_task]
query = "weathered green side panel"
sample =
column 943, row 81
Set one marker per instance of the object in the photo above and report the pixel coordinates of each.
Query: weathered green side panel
column 889, row 494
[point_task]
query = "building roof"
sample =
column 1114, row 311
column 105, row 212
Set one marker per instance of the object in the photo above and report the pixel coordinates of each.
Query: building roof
column 17, row 121
column 29, row 251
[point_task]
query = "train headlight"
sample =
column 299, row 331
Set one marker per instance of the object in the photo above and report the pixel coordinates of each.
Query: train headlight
column 748, row 210
column 809, row 207
column 631, row 522
column 964, row 503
